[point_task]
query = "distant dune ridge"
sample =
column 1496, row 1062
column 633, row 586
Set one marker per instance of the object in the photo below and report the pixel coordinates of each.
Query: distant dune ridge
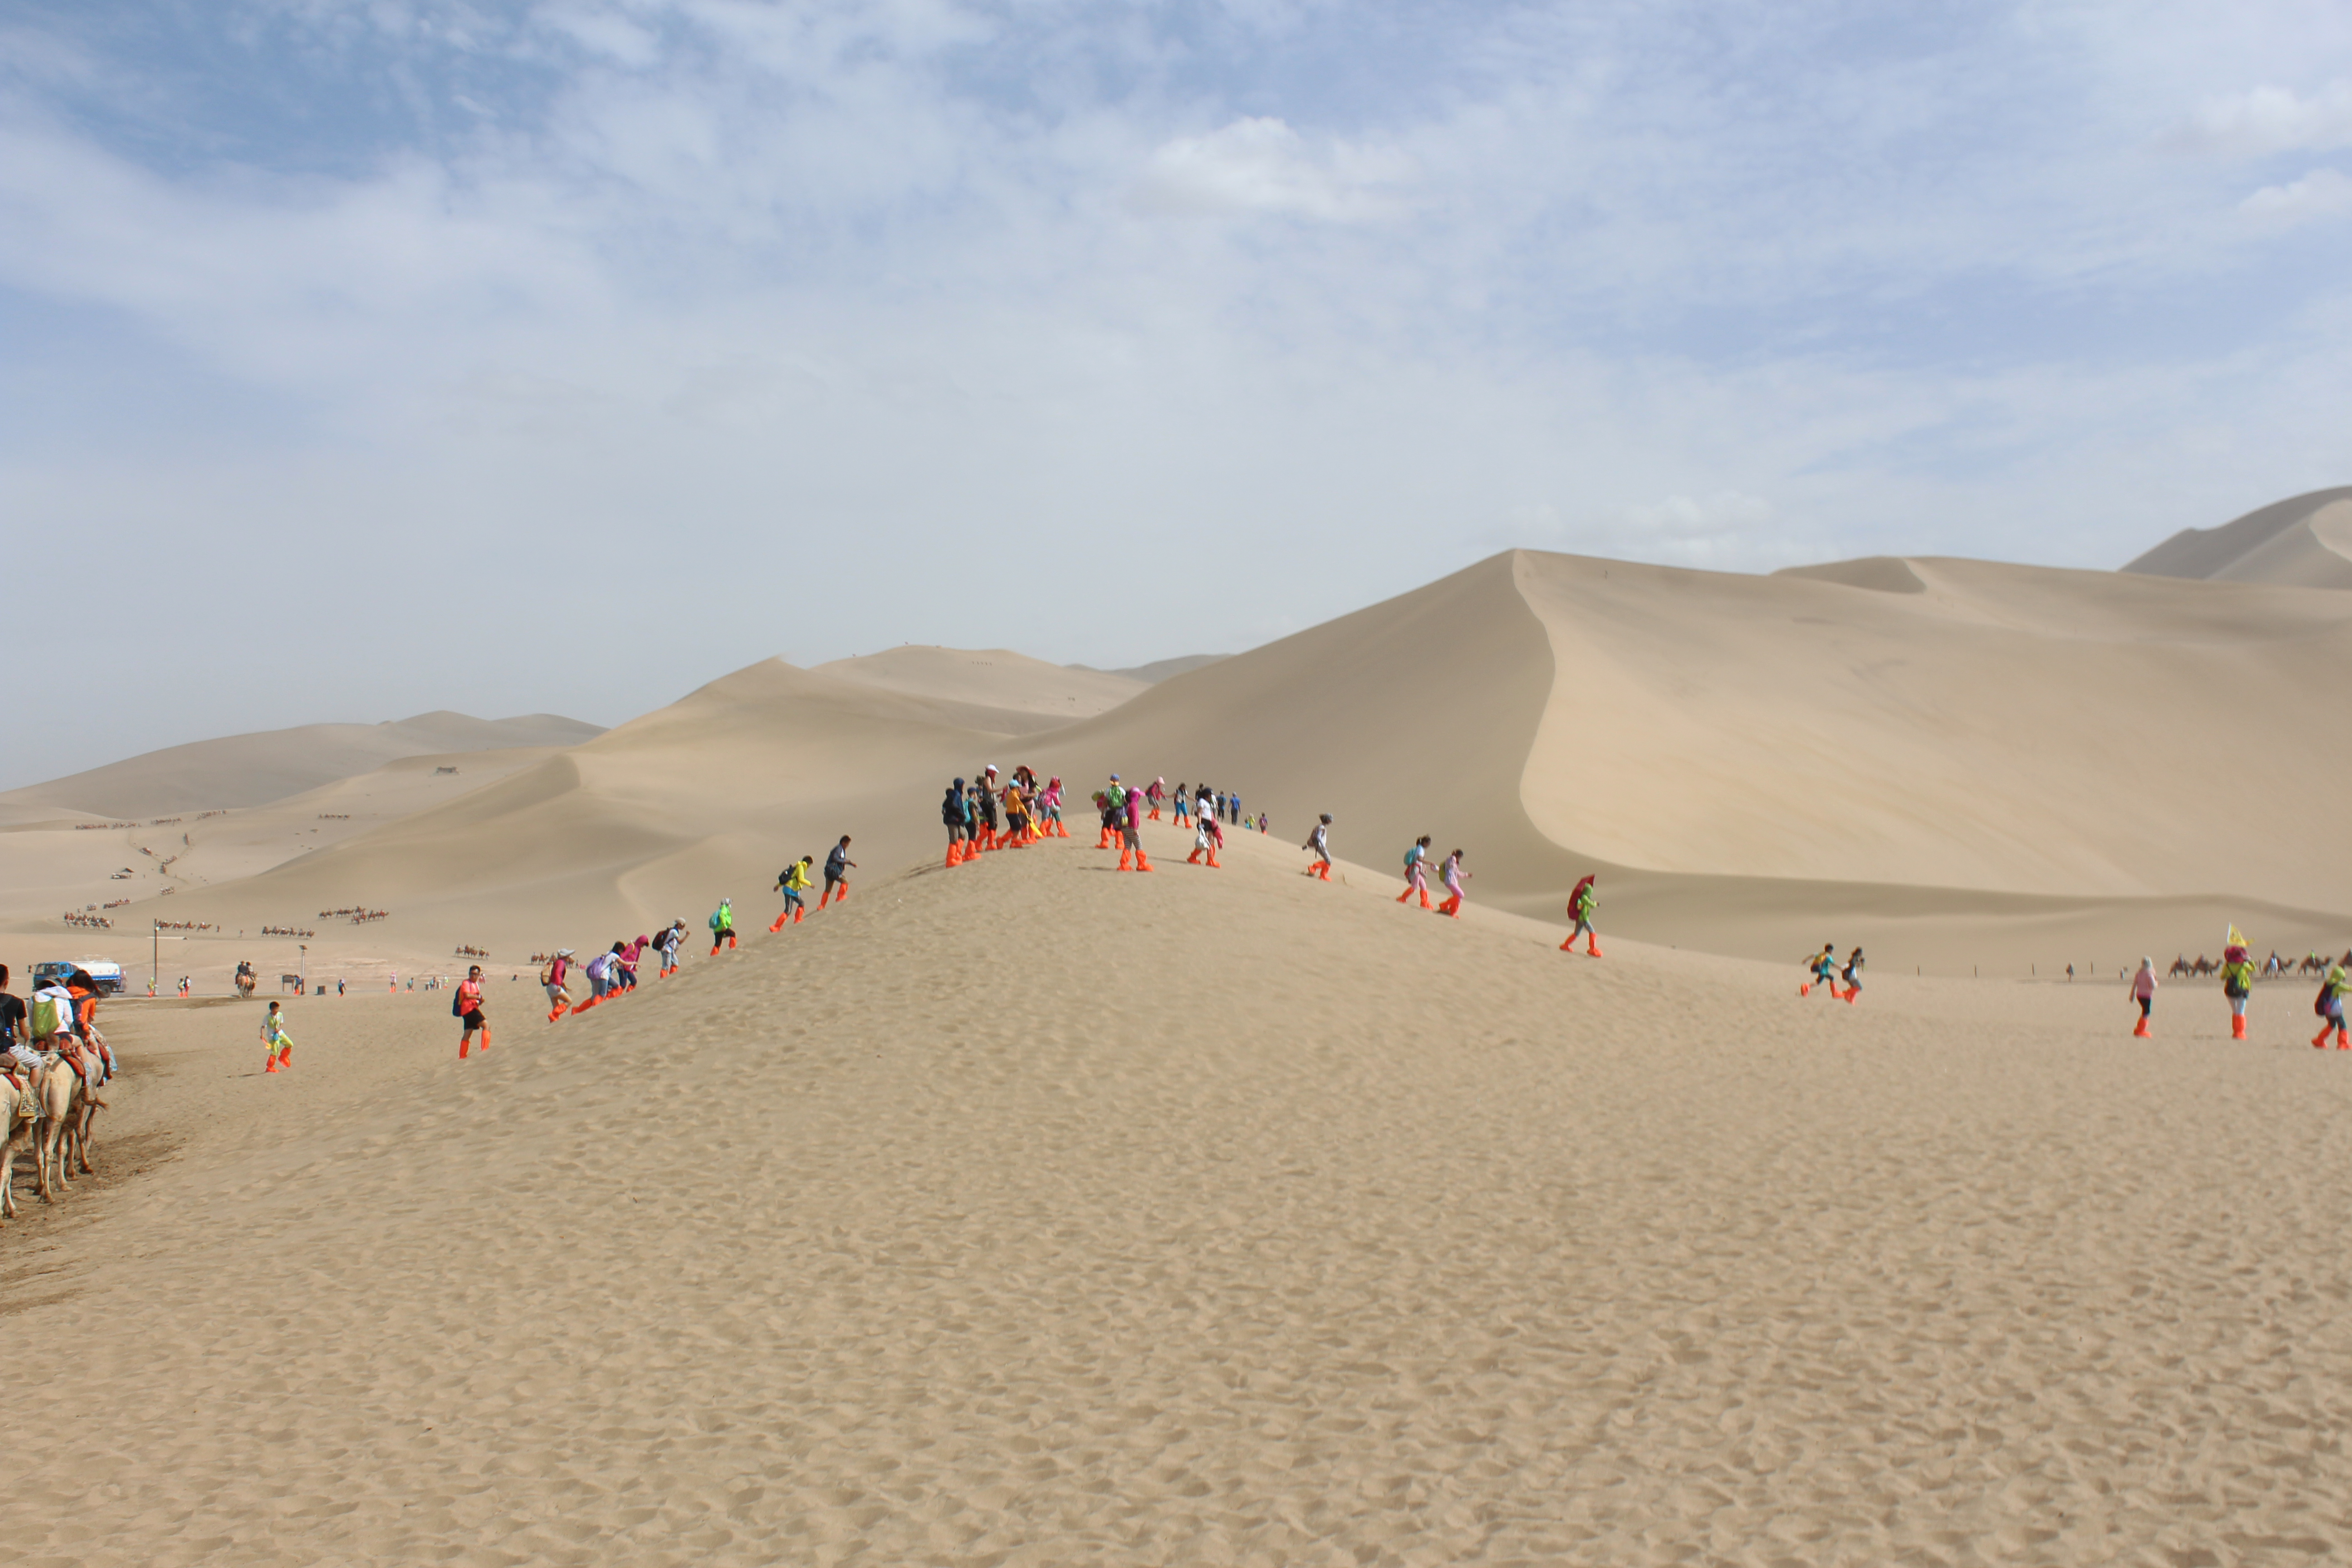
column 270, row 765
column 2304, row 541
column 1940, row 756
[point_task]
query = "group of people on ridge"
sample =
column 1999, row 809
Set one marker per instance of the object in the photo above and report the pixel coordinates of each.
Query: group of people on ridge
column 984, row 814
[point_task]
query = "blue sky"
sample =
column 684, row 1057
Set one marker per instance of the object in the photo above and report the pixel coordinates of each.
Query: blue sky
column 407, row 354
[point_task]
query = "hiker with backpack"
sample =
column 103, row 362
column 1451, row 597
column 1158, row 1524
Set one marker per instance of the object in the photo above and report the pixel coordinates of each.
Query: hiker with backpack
column 1416, row 871
column 955, row 815
column 1580, row 909
column 671, row 941
column 2329, row 1006
column 1819, row 968
column 722, row 926
column 793, row 882
column 467, row 1010
column 2237, row 983
column 1454, row 876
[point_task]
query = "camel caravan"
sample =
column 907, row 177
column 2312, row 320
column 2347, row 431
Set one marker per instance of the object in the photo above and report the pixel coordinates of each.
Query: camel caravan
column 53, row 1064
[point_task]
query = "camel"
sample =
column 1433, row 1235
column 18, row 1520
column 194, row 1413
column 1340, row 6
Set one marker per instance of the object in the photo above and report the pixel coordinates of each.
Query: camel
column 20, row 1113
column 68, row 1107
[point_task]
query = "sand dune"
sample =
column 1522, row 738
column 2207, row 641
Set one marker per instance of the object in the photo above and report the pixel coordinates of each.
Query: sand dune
column 255, row 769
column 2304, row 542
column 1028, row 1213
column 1968, row 764
column 993, row 690
column 1161, row 669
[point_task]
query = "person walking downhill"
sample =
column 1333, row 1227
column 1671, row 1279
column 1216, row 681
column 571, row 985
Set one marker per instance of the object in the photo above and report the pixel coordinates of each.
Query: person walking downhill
column 468, row 1008
column 2329, row 1006
column 955, row 815
column 671, row 941
column 2237, row 982
column 1155, row 792
column 1416, row 872
column 277, row 1044
column 1182, row 802
column 551, row 976
column 1852, row 973
column 1319, row 843
column 2143, row 991
column 1581, row 903
column 837, row 866
column 1819, row 968
column 1454, row 877
column 792, row 882
column 722, row 926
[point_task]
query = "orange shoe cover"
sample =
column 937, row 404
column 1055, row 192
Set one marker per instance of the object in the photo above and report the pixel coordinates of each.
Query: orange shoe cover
column 2320, row 1041
column 1212, row 861
column 1193, row 858
column 1127, row 860
column 1593, row 946
column 1804, row 990
column 272, row 1066
column 2237, row 1027
column 461, row 1050
column 2140, row 1031
column 486, row 1042
column 1406, row 895
column 1142, row 862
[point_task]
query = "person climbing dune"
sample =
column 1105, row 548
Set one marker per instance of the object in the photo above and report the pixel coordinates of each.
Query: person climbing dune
column 1320, row 843
column 793, row 882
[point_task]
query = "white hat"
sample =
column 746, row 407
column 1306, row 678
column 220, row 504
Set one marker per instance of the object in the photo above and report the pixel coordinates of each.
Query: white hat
column 563, row 952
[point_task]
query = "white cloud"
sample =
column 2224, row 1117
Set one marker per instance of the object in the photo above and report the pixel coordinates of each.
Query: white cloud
column 1260, row 164
column 2268, row 120
column 2319, row 194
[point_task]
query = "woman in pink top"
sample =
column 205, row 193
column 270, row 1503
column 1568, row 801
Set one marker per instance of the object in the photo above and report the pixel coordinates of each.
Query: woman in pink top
column 2143, row 991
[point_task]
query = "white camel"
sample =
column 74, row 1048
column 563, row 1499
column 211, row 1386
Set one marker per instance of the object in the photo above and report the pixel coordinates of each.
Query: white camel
column 20, row 1114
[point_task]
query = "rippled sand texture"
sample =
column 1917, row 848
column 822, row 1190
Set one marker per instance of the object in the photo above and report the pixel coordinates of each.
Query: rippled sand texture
column 1028, row 1213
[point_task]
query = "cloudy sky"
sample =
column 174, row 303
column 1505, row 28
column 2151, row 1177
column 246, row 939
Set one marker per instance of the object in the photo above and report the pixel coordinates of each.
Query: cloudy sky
column 359, row 357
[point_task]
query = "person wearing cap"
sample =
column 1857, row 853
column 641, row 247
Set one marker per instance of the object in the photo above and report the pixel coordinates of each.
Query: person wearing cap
column 1319, row 842
column 468, row 1009
column 722, row 926
column 671, row 940
column 559, row 996
column 1154, row 792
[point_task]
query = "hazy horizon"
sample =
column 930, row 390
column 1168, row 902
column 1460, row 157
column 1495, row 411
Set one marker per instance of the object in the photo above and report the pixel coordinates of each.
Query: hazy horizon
column 373, row 359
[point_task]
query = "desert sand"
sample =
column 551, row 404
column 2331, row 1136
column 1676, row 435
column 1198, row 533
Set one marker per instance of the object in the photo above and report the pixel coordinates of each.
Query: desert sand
column 1031, row 1213
column 1024, row 1211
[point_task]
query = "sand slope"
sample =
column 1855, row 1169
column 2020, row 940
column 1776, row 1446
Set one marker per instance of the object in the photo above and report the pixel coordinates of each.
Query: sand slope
column 1031, row 1215
column 993, row 690
column 270, row 765
column 2303, row 542
column 1965, row 764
